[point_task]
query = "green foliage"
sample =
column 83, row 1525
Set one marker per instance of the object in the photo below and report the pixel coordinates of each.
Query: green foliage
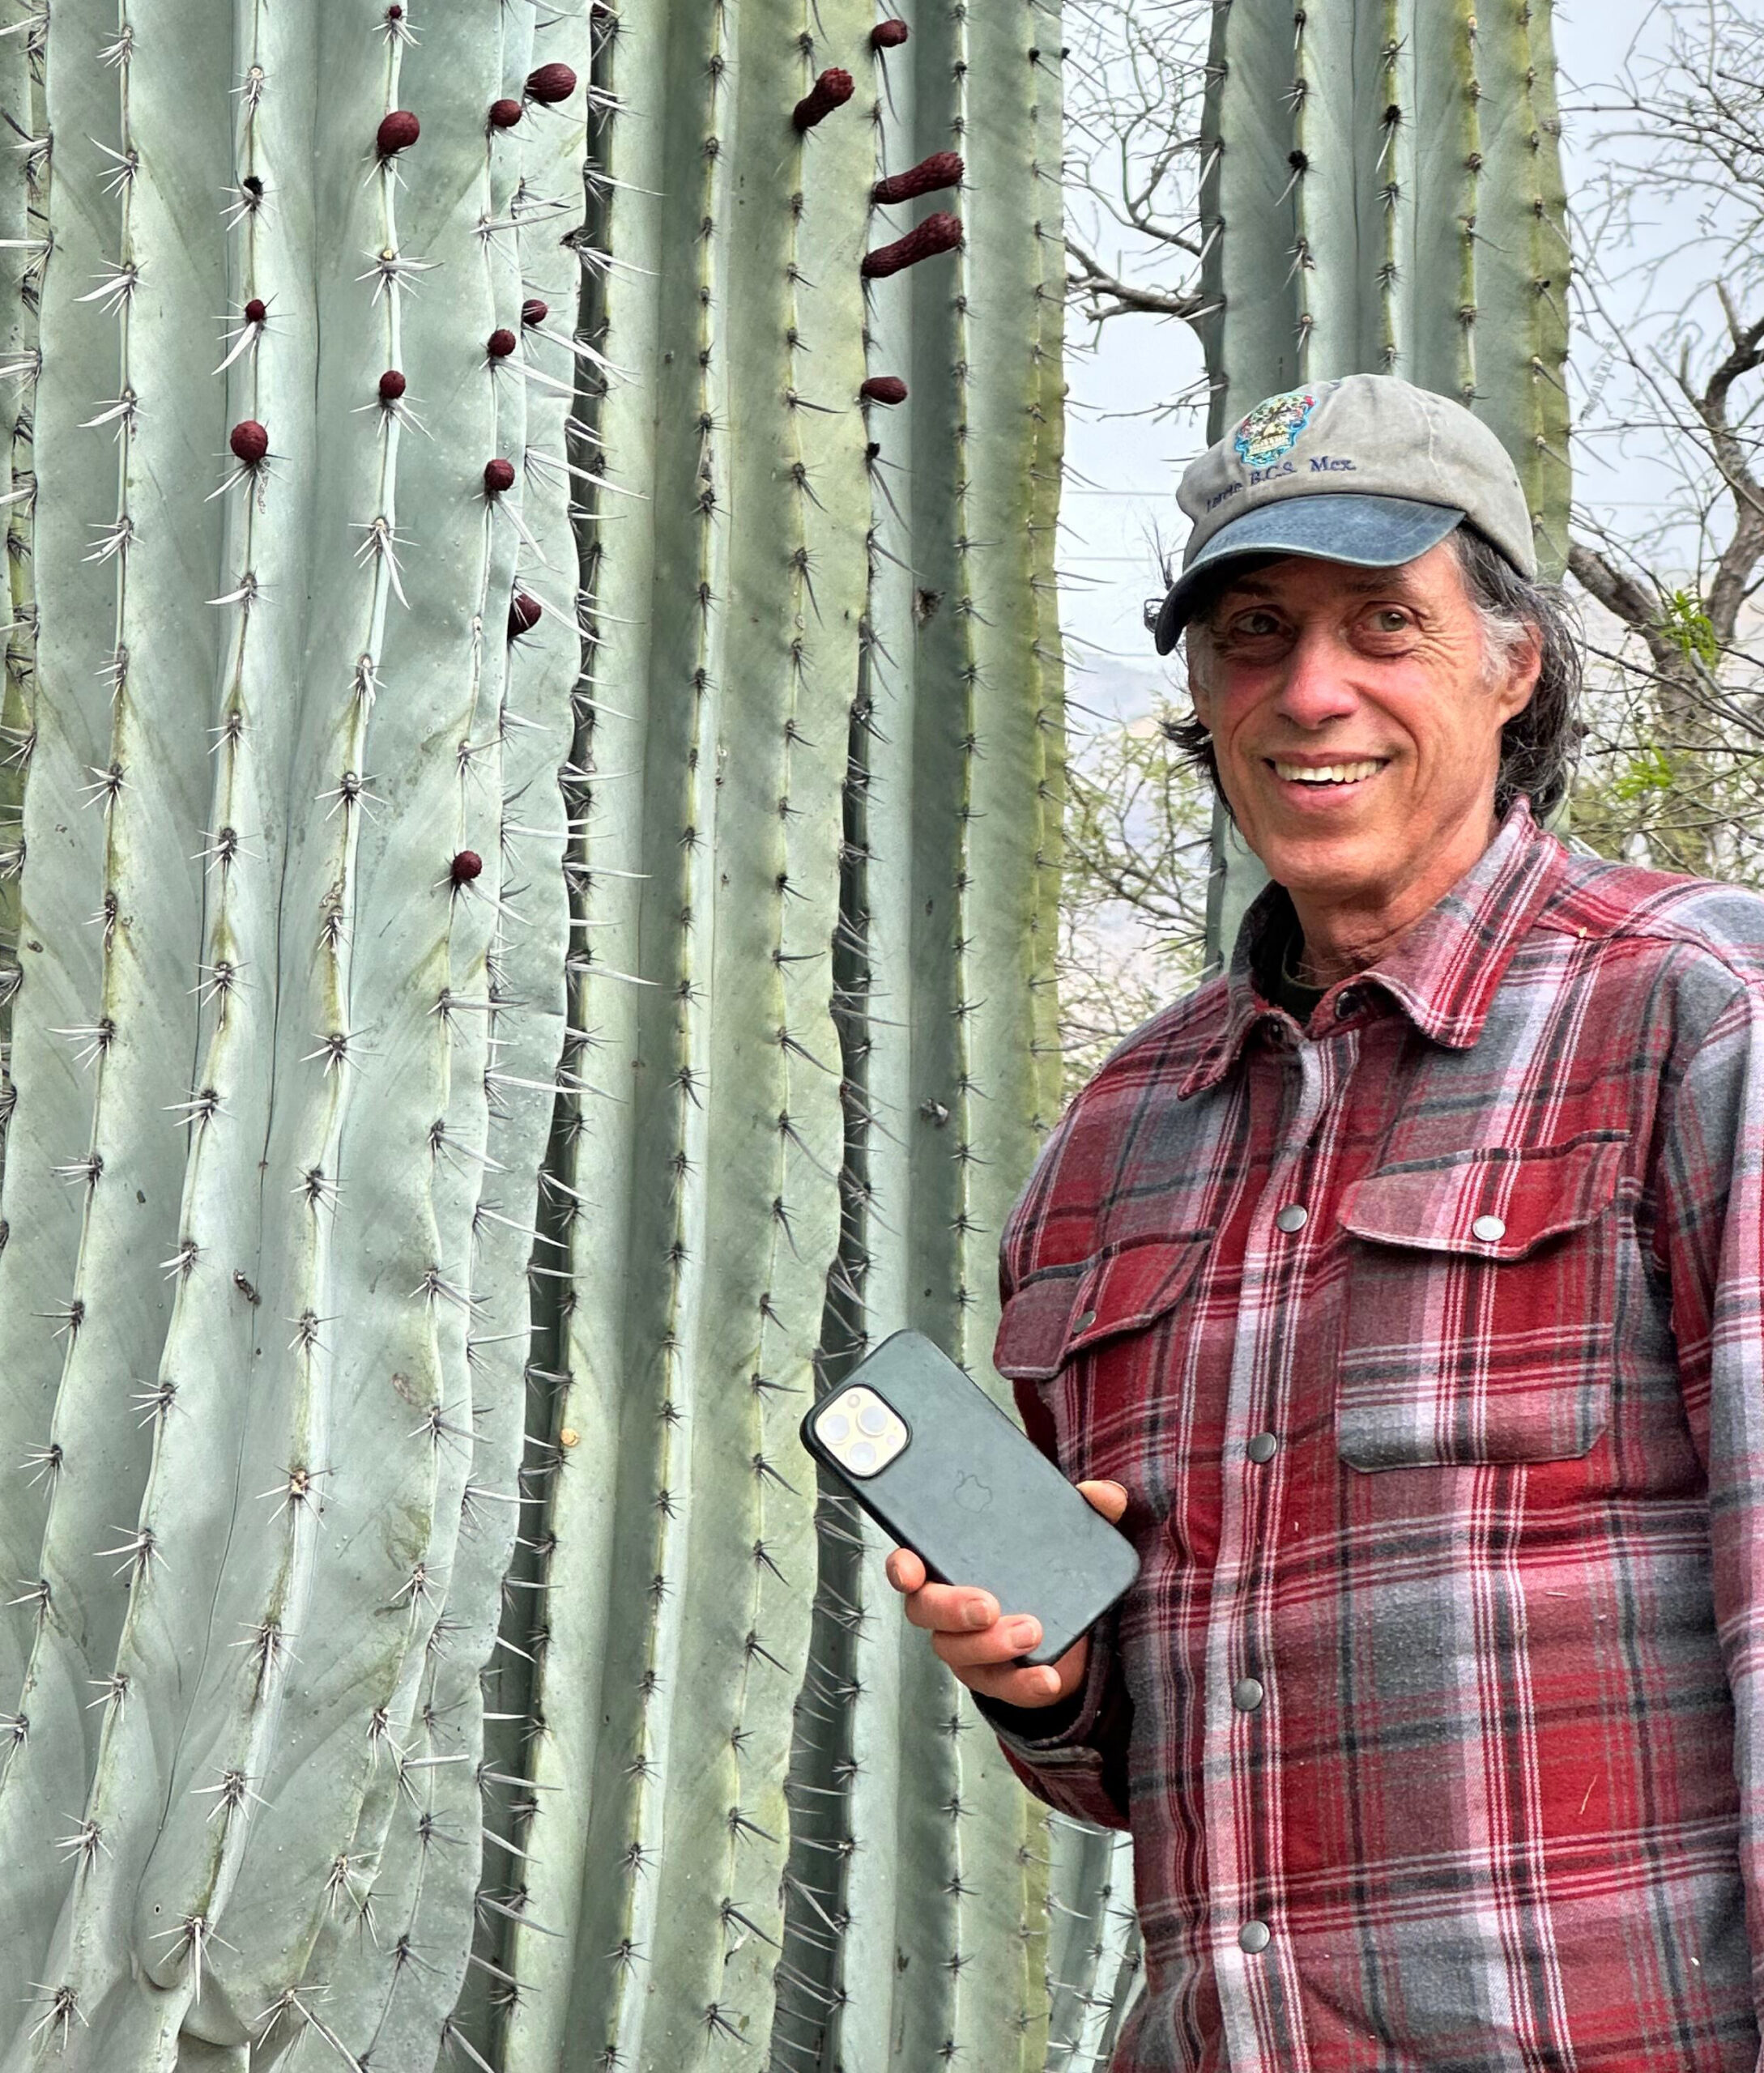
column 1647, row 771
column 1690, row 628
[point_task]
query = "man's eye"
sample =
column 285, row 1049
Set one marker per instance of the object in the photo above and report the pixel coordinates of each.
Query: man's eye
column 1391, row 619
column 1254, row 626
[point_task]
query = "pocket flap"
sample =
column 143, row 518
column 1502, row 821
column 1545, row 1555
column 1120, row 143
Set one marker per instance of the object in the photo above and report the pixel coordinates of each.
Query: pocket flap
column 1063, row 1311
column 1498, row 1205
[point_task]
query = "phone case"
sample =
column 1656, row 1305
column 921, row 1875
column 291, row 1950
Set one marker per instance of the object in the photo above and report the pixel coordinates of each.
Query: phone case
column 977, row 1501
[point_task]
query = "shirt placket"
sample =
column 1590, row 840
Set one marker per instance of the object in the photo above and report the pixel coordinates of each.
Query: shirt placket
column 1240, row 1764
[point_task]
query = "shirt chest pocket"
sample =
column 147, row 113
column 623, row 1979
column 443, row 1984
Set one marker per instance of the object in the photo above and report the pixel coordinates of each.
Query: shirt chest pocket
column 1479, row 1308
column 1092, row 1341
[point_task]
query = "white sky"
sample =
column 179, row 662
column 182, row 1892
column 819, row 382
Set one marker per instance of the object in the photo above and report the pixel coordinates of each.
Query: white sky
column 1108, row 558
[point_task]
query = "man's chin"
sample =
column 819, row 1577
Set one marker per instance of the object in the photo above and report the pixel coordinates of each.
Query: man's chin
column 1324, row 860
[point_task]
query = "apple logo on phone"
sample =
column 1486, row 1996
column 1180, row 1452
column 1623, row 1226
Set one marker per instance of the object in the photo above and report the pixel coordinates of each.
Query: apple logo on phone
column 971, row 1494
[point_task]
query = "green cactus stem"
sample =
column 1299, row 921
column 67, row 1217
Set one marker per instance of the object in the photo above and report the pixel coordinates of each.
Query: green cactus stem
column 473, row 616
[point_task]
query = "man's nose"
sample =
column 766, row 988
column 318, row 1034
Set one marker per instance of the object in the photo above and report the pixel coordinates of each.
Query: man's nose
column 1316, row 687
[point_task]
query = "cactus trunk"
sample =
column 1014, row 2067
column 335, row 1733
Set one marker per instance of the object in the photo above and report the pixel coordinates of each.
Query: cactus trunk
column 529, row 779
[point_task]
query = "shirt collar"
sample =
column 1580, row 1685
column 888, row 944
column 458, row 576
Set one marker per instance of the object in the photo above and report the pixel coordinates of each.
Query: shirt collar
column 1442, row 973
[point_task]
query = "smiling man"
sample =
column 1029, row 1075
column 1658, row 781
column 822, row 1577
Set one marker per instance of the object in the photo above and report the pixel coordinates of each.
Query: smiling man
column 1401, row 1293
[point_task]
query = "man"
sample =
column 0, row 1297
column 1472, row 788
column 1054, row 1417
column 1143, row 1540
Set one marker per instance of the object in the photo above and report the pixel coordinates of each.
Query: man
column 1401, row 1291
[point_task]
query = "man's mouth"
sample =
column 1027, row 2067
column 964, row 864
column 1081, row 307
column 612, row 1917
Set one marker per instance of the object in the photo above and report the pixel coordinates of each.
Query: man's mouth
column 1327, row 776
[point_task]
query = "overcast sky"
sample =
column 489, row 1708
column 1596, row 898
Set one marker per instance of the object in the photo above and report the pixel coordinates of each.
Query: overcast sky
column 1107, row 556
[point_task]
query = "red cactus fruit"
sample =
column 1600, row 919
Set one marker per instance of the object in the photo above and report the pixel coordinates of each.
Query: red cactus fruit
column 249, row 441
column 550, row 84
column 889, row 35
column 832, row 90
column 391, row 386
column 466, row 867
column 500, row 344
column 941, row 169
column 256, row 310
column 397, row 132
column 395, row 13
column 525, row 613
column 883, row 388
column 533, row 311
column 504, row 114
column 941, row 232
column 498, row 475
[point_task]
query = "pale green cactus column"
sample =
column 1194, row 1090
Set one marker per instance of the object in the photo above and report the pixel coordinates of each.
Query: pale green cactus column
column 1382, row 193
column 472, row 1070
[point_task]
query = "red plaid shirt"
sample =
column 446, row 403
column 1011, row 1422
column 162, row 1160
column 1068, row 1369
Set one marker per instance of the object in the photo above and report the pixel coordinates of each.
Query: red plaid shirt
column 1430, row 1343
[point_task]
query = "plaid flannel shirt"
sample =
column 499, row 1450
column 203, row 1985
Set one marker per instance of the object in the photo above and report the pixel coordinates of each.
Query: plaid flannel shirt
column 1430, row 1343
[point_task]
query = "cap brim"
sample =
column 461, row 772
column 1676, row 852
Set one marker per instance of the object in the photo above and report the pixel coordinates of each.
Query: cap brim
column 1365, row 532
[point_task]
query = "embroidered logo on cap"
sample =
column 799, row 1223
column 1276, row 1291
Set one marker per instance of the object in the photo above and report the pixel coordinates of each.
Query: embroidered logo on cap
column 1273, row 427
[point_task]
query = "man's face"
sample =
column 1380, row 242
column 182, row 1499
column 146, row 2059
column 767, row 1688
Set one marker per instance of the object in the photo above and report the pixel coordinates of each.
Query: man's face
column 1380, row 676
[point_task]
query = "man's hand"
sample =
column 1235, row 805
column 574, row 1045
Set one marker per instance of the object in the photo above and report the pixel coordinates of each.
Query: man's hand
column 978, row 1643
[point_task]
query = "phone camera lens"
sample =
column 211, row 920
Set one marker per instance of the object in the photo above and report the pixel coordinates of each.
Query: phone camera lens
column 863, row 1455
column 834, row 1427
column 873, row 1419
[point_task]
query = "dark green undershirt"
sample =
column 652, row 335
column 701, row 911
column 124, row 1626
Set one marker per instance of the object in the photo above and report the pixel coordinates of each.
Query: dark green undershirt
column 1276, row 956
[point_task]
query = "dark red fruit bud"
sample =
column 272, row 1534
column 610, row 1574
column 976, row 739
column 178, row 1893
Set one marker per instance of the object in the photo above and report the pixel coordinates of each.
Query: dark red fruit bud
column 498, row 475
column 256, row 311
column 249, row 441
column 883, row 388
column 524, row 615
column 889, row 35
column 395, row 13
column 941, row 169
column 550, row 84
column 938, row 233
column 832, row 90
column 504, row 114
column 533, row 311
column 466, row 867
column 500, row 344
column 397, row 132
column 391, row 386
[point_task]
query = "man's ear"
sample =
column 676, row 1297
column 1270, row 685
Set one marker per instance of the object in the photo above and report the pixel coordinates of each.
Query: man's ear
column 1523, row 671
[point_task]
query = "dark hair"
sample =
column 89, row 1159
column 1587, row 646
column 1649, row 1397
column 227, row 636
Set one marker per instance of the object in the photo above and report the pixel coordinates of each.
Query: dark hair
column 1539, row 746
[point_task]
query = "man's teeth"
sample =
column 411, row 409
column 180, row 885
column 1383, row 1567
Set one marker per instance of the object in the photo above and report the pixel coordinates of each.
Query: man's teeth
column 1325, row 773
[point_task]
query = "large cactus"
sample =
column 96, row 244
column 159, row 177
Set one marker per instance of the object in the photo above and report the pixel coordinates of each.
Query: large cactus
column 529, row 802
column 1382, row 193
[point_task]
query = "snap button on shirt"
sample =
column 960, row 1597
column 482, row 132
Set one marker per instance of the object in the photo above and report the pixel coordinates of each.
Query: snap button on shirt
column 1295, row 1216
column 1246, row 1694
column 1261, row 1446
column 1253, row 1936
column 1489, row 1228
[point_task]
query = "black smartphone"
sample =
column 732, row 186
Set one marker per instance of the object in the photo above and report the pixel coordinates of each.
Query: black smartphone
column 936, row 1463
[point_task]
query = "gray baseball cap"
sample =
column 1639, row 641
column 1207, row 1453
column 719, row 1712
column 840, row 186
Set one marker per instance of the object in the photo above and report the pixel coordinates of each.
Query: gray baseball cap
column 1367, row 470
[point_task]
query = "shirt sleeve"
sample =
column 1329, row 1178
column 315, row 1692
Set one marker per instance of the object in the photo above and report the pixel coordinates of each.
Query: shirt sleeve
column 1073, row 1754
column 1710, row 1233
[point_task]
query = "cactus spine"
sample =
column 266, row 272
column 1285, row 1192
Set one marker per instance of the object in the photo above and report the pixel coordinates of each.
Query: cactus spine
column 1382, row 193
column 505, row 741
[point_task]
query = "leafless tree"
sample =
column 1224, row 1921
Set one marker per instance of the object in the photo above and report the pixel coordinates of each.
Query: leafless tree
column 1675, row 759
